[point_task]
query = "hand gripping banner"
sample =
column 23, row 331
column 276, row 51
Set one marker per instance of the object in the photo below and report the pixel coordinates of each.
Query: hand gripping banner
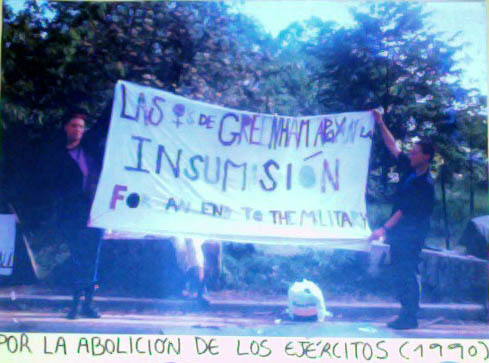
column 177, row 166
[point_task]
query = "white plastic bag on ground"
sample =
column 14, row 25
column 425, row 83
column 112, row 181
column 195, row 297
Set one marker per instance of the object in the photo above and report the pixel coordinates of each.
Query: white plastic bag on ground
column 306, row 300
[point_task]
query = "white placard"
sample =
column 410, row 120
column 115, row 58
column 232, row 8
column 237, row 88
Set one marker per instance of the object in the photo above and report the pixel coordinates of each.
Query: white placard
column 7, row 243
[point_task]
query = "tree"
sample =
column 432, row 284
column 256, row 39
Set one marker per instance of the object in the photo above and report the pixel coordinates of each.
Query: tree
column 61, row 54
column 299, row 67
column 391, row 59
column 199, row 50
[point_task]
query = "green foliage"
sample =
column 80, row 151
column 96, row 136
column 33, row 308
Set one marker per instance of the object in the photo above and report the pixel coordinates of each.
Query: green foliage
column 63, row 54
column 339, row 274
column 391, row 59
column 198, row 50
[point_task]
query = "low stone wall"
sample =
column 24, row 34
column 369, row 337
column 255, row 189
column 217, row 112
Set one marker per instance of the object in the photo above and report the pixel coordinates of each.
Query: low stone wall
column 454, row 278
column 149, row 269
column 446, row 276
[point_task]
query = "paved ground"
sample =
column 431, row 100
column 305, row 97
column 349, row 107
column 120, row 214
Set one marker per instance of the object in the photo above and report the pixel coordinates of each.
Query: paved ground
column 231, row 323
column 32, row 309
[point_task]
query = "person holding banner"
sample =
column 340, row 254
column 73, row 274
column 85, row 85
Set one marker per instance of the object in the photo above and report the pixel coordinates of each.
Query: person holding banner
column 190, row 257
column 72, row 170
column 405, row 231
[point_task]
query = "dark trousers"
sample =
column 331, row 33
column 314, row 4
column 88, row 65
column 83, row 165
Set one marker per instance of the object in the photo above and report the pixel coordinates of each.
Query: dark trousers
column 407, row 288
column 84, row 244
column 406, row 280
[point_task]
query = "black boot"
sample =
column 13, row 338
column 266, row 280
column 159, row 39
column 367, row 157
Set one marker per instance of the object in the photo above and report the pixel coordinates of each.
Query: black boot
column 201, row 300
column 88, row 310
column 72, row 314
column 196, row 284
column 404, row 322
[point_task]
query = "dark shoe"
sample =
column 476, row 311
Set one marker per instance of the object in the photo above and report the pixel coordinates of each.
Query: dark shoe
column 72, row 314
column 89, row 312
column 402, row 323
column 203, row 302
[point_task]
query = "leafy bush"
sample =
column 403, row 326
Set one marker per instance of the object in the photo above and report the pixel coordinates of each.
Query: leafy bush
column 339, row 273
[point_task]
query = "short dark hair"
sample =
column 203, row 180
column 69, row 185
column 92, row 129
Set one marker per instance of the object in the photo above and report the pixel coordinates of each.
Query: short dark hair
column 71, row 114
column 427, row 146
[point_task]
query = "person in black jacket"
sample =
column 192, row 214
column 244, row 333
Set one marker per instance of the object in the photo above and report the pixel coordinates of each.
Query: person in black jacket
column 405, row 231
column 72, row 170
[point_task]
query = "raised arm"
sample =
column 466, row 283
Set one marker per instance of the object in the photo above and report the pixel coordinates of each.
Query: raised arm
column 389, row 140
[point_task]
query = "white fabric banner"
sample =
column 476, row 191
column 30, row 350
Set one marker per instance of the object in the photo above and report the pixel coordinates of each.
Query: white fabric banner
column 7, row 243
column 177, row 166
